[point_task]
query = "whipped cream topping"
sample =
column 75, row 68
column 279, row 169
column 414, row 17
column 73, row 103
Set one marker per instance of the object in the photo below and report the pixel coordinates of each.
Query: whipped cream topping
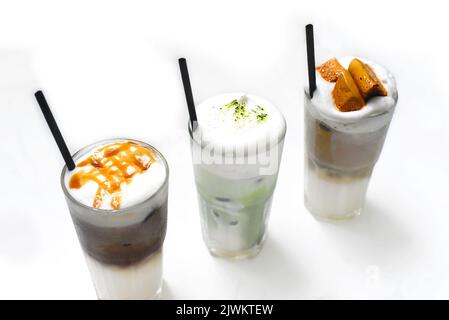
column 136, row 189
column 232, row 120
column 375, row 114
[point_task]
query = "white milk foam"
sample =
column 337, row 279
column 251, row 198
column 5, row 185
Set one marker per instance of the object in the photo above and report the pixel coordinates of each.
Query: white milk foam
column 374, row 115
column 143, row 185
column 217, row 126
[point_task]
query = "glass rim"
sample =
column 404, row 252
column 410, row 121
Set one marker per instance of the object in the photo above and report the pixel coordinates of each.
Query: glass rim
column 189, row 129
column 307, row 96
column 81, row 151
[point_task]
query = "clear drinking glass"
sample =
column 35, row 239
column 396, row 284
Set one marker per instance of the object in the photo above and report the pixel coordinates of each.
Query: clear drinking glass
column 339, row 163
column 235, row 196
column 122, row 247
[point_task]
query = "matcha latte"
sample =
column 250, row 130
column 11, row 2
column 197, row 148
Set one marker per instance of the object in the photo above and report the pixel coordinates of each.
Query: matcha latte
column 236, row 151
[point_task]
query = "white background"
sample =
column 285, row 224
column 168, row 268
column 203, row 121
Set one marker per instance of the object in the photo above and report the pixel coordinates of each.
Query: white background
column 109, row 68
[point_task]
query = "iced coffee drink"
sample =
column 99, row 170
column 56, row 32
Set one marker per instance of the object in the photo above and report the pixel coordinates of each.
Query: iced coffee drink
column 236, row 152
column 117, row 197
column 346, row 122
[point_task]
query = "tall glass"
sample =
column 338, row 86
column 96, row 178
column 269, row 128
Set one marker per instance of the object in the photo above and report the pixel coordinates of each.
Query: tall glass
column 235, row 191
column 339, row 162
column 122, row 247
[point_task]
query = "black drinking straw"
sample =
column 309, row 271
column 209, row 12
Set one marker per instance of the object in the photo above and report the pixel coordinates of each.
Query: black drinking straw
column 54, row 129
column 188, row 92
column 310, row 59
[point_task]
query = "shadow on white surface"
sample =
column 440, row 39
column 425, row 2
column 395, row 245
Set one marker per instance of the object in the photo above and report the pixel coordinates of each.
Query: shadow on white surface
column 167, row 293
column 264, row 276
column 375, row 237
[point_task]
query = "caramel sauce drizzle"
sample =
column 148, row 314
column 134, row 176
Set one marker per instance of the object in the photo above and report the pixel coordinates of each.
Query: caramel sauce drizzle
column 112, row 165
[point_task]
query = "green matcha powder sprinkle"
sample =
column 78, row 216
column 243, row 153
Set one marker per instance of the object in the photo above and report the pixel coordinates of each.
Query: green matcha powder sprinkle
column 241, row 113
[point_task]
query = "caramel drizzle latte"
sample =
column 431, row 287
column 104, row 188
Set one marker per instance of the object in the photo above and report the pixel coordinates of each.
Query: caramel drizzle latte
column 112, row 165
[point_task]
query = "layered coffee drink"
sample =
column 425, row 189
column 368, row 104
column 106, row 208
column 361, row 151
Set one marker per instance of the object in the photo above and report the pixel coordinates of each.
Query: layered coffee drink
column 346, row 123
column 236, row 152
column 117, row 197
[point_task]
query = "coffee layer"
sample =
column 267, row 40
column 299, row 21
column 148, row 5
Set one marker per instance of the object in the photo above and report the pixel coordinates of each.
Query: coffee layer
column 340, row 150
column 123, row 246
